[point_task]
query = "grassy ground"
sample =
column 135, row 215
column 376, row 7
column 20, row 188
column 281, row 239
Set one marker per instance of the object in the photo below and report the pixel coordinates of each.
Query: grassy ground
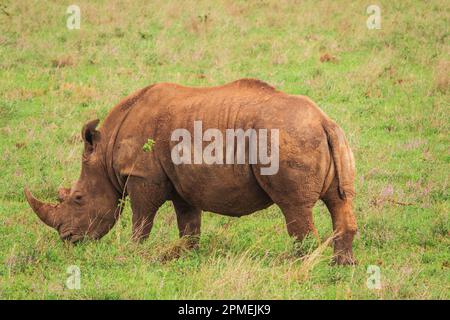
column 388, row 89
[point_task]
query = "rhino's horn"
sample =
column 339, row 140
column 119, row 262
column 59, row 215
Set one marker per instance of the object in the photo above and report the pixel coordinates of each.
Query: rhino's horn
column 45, row 212
column 63, row 193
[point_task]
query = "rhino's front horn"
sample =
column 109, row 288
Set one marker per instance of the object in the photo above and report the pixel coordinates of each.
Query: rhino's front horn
column 45, row 212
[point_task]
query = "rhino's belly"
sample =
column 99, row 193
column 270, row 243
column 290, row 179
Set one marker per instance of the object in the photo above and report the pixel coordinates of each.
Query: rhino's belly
column 227, row 190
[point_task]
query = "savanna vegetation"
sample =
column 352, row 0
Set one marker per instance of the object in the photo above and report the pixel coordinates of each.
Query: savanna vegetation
column 387, row 88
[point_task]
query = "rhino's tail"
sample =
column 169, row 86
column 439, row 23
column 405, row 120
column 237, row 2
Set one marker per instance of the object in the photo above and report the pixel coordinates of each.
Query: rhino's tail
column 343, row 160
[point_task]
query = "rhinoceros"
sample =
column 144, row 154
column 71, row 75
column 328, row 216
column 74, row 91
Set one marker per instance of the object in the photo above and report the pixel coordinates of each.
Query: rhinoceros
column 314, row 162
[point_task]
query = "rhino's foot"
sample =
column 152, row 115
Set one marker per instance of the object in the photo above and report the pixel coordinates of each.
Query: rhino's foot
column 171, row 254
column 344, row 259
column 180, row 248
column 307, row 245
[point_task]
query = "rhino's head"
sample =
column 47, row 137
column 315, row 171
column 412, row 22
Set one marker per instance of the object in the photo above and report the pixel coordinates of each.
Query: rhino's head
column 90, row 208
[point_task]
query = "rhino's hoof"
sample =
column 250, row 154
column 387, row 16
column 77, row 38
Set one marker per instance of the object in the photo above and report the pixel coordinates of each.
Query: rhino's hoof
column 344, row 260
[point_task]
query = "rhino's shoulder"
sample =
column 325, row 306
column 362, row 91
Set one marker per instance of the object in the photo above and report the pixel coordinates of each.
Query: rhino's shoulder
column 252, row 84
column 241, row 84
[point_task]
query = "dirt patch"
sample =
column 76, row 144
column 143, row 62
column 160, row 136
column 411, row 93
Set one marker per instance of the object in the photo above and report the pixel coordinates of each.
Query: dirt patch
column 62, row 62
column 327, row 57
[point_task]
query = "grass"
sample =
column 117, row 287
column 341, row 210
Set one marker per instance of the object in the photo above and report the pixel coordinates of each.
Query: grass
column 387, row 88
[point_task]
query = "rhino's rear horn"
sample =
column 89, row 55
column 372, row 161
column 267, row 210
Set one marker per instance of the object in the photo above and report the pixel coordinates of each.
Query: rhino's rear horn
column 45, row 212
column 63, row 193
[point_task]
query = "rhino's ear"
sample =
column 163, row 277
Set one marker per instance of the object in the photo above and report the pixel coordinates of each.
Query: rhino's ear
column 90, row 135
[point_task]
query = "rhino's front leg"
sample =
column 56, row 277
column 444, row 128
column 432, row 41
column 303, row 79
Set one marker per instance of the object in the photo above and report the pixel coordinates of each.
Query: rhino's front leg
column 189, row 221
column 146, row 198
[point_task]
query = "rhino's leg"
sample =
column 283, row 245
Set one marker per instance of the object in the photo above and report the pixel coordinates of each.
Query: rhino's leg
column 146, row 198
column 344, row 224
column 295, row 198
column 299, row 220
column 189, row 221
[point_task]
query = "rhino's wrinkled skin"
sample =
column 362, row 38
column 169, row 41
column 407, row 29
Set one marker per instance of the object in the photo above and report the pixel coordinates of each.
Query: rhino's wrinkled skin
column 315, row 162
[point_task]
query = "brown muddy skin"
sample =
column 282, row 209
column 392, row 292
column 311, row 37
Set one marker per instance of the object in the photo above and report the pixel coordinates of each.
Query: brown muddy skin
column 315, row 163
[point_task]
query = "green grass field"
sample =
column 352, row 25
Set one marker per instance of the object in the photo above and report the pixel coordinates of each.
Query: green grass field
column 387, row 88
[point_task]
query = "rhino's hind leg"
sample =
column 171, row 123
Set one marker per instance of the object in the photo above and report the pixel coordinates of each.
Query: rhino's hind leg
column 296, row 199
column 299, row 222
column 189, row 221
column 344, row 225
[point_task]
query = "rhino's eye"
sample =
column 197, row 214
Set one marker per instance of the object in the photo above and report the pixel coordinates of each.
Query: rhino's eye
column 77, row 198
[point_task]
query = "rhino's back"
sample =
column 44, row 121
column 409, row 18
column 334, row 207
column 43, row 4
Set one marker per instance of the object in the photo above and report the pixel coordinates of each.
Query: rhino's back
column 244, row 104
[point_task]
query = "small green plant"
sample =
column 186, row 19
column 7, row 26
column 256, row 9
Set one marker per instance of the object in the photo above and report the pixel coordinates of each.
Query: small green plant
column 148, row 146
column 123, row 202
